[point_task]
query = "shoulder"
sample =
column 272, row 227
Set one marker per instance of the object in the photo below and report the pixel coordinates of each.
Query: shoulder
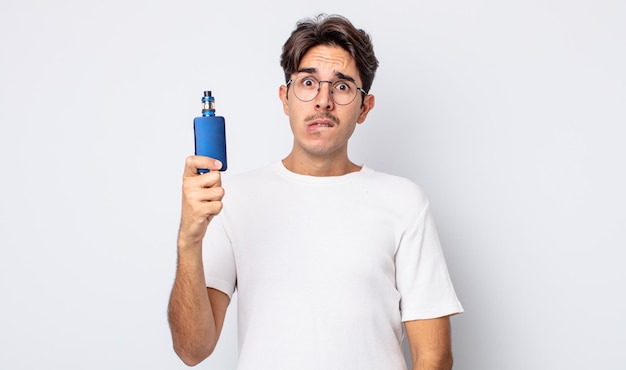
column 245, row 178
column 394, row 186
column 252, row 183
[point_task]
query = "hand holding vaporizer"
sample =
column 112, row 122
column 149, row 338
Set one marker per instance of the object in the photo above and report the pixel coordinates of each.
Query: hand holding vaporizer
column 210, row 132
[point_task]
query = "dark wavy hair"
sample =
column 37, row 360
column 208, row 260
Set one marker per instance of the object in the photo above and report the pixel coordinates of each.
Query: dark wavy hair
column 332, row 30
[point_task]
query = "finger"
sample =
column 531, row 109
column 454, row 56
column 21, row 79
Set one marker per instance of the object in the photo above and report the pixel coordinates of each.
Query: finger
column 196, row 216
column 201, row 205
column 206, row 180
column 196, row 162
column 203, row 195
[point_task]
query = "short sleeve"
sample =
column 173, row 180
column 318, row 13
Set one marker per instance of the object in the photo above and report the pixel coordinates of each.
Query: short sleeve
column 217, row 255
column 422, row 275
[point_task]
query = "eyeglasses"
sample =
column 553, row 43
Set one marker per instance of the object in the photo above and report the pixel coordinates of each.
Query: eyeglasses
column 342, row 92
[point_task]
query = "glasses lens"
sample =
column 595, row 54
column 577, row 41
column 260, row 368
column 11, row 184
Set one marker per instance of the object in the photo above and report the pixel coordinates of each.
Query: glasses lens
column 305, row 88
column 342, row 91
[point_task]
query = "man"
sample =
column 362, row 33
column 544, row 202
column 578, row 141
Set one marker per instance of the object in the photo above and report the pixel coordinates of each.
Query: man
column 329, row 258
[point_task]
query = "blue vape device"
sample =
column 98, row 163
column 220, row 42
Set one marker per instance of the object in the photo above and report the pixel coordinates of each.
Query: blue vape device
column 210, row 132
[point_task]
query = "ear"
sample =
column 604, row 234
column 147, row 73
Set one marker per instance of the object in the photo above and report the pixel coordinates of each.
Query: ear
column 366, row 107
column 282, row 94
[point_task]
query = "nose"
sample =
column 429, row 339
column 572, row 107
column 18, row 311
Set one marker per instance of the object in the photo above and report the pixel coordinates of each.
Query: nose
column 324, row 97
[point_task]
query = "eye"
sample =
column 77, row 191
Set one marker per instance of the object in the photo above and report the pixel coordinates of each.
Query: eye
column 308, row 82
column 343, row 86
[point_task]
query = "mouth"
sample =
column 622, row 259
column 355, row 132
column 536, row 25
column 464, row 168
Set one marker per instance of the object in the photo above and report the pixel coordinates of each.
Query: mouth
column 320, row 124
column 321, row 121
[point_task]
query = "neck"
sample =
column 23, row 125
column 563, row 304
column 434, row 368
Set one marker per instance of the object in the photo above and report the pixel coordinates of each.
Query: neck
column 313, row 166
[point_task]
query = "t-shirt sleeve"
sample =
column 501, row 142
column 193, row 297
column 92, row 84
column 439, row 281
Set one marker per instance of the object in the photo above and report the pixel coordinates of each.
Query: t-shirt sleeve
column 218, row 258
column 422, row 275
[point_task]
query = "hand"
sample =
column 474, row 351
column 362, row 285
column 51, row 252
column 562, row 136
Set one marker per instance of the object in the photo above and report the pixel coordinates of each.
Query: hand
column 202, row 199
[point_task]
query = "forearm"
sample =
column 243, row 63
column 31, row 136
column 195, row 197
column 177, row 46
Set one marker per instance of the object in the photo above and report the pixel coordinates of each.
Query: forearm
column 192, row 323
column 195, row 313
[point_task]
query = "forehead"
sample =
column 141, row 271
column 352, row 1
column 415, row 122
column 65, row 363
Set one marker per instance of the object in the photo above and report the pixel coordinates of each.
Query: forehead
column 326, row 59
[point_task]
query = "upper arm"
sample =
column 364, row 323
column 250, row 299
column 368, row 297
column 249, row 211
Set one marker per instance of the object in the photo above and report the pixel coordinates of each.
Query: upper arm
column 219, row 303
column 430, row 343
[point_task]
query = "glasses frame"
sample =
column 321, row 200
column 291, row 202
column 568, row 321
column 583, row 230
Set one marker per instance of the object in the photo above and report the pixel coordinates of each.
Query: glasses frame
column 331, row 83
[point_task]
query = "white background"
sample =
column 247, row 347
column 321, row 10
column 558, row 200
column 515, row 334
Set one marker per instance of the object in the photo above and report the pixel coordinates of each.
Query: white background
column 510, row 114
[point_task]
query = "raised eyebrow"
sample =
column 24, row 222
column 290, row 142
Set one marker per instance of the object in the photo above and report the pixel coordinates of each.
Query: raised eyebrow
column 341, row 76
column 310, row 70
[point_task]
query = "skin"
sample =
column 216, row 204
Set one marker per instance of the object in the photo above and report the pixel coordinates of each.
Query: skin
column 321, row 131
column 196, row 313
column 430, row 343
column 318, row 150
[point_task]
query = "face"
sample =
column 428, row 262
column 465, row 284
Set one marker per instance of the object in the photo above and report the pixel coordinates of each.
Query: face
column 321, row 128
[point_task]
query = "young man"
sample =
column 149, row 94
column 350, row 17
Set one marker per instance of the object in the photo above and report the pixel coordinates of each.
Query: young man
column 329, row 258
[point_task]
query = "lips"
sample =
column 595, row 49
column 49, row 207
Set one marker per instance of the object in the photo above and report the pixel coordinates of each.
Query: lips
column 321, row 123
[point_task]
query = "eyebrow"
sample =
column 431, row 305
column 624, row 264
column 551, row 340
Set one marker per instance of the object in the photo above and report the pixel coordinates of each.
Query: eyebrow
column 339, row 75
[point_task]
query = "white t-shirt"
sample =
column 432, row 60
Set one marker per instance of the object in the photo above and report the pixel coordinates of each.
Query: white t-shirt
column 326, row 268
